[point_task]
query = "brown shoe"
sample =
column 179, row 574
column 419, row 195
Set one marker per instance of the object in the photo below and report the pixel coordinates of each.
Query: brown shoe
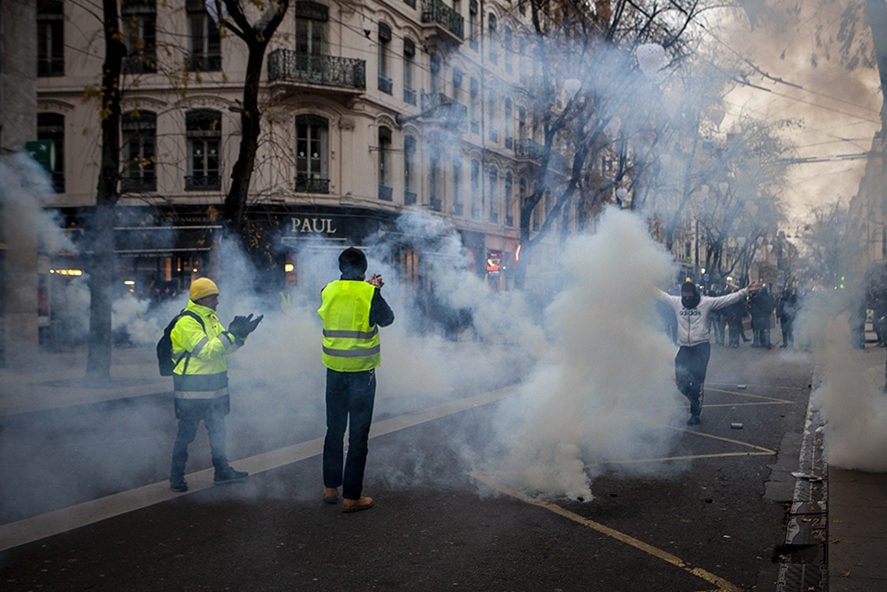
column 356, row 505
column 330, row 495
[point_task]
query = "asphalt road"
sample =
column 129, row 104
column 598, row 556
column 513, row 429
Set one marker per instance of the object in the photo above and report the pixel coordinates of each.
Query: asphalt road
column 708, row 520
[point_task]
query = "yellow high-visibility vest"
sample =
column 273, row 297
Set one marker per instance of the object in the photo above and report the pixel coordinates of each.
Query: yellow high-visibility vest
column 350, row 343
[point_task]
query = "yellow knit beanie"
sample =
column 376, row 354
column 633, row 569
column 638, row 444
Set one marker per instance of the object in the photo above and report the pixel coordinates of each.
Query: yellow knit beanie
column 202, row 287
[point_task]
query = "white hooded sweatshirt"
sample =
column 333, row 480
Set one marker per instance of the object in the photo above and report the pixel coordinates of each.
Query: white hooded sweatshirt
column 693, row 327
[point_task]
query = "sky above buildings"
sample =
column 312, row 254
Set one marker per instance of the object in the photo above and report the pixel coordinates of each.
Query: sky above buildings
column 801, row 77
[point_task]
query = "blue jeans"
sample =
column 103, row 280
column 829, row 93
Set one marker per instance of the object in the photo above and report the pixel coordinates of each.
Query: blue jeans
column 349, row 401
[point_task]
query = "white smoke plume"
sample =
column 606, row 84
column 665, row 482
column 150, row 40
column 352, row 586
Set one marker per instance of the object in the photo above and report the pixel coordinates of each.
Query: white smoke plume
column 851, row 394
column 608, row 367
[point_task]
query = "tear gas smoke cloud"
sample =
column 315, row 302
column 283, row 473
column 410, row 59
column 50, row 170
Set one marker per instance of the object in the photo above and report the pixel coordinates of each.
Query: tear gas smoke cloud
column 588, row 400
column 850, row 395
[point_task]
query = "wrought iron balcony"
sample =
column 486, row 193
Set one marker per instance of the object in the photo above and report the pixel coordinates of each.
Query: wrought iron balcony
column 409, row 198
column 437, row 13
column 306, row 184
column 386, row 193
column 285, row 65
column 138, row 184
column 437, row 106
column 202, row 182
column 435, row 203
column 530, row 149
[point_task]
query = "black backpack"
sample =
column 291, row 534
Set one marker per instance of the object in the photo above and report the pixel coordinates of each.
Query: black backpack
column 165, row 361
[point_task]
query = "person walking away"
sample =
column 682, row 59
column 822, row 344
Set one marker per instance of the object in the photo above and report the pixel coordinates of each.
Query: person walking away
column 692, row 311
column 761, row 307
column 200, row 346
column 352, row 309
column 786, row 311
column 735, row 313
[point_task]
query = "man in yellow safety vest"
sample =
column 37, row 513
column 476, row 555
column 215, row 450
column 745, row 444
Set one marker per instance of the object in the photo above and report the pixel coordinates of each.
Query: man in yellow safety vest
column 200, row 345
column 352, row 310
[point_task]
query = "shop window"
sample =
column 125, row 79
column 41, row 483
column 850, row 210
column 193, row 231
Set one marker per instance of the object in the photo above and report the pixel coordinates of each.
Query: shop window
column 385, row 189
column 386, row 85
column 204, row 136
column 51, row 38
column 205, row 43
column 51, row 126
column 139, row 18
column 139, row 151
column 312, row 147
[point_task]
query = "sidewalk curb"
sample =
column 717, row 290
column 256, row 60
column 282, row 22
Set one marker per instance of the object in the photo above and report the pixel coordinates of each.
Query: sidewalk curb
column 803, row 557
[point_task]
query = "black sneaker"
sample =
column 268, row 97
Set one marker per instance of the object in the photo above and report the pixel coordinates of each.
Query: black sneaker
column 694, row 420
column 229, row 475
column 179, row 484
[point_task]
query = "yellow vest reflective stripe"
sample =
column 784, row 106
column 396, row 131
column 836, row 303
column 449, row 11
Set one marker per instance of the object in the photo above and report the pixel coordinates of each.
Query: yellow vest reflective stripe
column 350, row 343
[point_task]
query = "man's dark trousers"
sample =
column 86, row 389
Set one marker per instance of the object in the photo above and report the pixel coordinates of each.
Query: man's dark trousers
column 690, row 366
column 349, row 401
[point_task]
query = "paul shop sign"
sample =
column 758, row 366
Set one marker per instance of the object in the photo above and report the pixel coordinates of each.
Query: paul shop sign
column 324, row 226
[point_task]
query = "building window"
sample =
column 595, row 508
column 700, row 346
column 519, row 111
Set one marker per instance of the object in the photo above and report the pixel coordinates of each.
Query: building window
column 491, row 40
column 51, row 126
column 139, row 19
column 385, row 190
column 493, row 187
column 139, row 151
column 436, row 70
column 311, row 19
column 509, row 124
column 50, row 38
column 386, row 85
column 204, row 136
column 476, row 197
column 508, row 198
column 457, row 85
column 457, row 187
column 507, row 48
column 312, row 146
column 492, row 131
column 409, row 170
column 435, row 181
column 475, row 106
column 472, row 25
column 206, row 45
column 409, row 53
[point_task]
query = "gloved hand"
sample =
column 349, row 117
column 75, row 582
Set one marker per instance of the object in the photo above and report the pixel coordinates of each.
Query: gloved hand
column 254, row 323
column 242, row 326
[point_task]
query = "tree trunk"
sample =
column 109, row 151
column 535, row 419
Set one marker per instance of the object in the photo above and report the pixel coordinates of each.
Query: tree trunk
column 101, row 258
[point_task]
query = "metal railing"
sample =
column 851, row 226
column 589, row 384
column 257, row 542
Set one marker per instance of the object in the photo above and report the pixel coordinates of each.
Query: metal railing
column 287, row 65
